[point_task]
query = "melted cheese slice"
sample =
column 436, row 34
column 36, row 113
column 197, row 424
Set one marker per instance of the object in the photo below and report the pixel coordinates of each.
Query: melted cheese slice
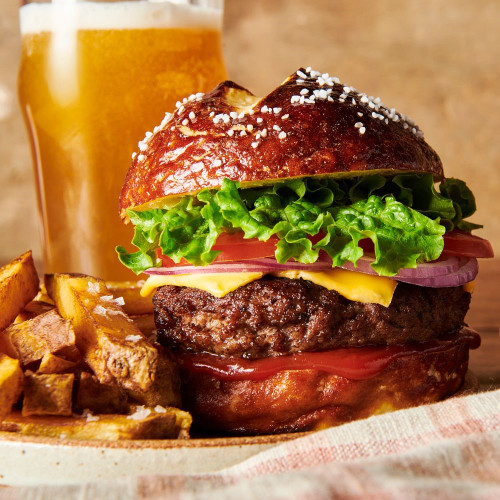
column 218, row 284
column 351, row 285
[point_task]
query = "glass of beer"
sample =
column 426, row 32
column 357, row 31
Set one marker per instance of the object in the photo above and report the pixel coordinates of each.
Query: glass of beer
column 93, row 78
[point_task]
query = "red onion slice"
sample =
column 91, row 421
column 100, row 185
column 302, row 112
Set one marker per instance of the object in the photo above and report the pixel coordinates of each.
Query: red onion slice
column 424, row 270
column 466, row 273
column 452, row 271
column 266, row 265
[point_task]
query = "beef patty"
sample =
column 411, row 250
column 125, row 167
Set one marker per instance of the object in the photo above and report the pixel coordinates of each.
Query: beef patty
column 278, row 316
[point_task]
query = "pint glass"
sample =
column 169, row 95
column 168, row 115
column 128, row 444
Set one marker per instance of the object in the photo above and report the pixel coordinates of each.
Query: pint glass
column 93, row 78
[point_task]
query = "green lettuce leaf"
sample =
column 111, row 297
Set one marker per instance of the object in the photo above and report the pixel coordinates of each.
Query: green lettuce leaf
column 463, row 202
column 404, row 216
column 402, row 237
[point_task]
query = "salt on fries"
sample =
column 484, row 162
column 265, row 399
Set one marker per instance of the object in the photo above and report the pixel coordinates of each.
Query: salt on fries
column 73, row 364
column 46, row 333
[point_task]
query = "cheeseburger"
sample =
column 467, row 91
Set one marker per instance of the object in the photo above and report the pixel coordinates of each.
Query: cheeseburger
column 310, row 262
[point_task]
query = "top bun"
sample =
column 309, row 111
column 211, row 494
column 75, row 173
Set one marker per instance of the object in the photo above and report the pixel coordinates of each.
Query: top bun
column 311, row 125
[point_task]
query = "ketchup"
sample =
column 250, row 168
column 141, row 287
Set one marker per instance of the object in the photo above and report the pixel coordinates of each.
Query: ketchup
column 356, row 363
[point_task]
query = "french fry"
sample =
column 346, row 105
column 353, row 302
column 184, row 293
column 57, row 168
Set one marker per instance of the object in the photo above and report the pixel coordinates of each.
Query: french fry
column 51, row 364
column 130, row 291
column 6, row 346
column 42, row 295
column 73, row 322
column 170, row 424
column 46, row 333
column 11, row 383
column 110, row 343
column 33, row 309
column 165, row 389
column 18, row 286
column 48, row 394
column 99, row 398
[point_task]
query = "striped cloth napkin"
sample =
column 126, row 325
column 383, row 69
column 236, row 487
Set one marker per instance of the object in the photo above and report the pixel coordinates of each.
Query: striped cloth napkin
column 447, row 450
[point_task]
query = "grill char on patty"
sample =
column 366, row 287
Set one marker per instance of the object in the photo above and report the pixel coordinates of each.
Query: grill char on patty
column 279, row 316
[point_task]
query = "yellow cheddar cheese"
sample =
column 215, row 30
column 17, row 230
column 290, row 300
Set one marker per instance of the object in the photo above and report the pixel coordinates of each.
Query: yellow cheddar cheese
column 218, row 284
column 350, row 284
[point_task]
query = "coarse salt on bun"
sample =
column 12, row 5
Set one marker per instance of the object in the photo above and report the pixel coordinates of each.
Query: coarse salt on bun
column 285, row 351
column 311, row 125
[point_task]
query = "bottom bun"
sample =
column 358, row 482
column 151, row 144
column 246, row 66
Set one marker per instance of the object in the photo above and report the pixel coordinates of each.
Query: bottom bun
column 302, row 400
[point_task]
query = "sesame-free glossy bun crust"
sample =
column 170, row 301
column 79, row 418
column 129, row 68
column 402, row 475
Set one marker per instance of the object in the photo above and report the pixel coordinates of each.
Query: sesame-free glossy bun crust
column 303, row 400
column 231, row 133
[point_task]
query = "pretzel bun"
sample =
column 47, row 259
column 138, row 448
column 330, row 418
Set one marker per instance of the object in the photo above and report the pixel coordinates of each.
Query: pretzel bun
column 311, row 125
column 303, row 400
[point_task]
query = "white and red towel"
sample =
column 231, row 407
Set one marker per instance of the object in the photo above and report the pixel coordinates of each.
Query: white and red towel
column 448, row 450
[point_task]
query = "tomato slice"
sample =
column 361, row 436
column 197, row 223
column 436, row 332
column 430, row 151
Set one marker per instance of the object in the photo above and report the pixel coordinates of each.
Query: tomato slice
column 357, row 363
column 466, row 245
column 232, row 247
column 456, row 243
column 168, row 262
column 235, row 247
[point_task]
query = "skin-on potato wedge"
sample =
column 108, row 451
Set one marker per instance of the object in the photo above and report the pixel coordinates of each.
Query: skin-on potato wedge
column 165, row 389
column 130, row 291
column 110, row 343
column 48, row 394
column 33, row 309
column 11, row 383
column 46, row 333
column 99, row 398
column 6, row 346
column 54, row 364
column 18, row 286
column 168, row 423
column 43, row 296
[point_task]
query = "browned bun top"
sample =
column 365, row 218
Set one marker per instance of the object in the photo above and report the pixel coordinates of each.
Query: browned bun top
column 311, row 125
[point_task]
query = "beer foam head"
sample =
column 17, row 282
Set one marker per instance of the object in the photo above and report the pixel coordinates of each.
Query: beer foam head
column 38, row 17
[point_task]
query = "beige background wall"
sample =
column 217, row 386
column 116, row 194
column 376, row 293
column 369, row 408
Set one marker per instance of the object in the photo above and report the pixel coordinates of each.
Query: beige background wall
column 436, row 61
